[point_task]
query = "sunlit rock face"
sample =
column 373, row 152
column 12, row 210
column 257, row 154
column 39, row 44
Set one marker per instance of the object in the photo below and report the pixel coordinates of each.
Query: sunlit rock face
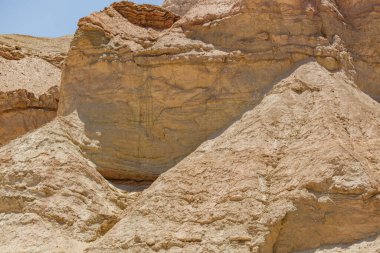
column 52, row 199
column 298, row 172
column 150, row 92
column 30, row 73
column 251, row 116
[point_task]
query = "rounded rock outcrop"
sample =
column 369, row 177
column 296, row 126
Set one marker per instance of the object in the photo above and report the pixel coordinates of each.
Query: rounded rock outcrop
column 151, row 96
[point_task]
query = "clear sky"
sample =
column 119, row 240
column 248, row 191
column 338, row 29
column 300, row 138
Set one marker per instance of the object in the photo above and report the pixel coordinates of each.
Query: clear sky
column 49, row 18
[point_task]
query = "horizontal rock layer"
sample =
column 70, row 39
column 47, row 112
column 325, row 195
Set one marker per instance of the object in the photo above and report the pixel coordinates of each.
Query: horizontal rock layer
column 29, row 78
column 52, row 50
column 146, row 15
column 21, row 111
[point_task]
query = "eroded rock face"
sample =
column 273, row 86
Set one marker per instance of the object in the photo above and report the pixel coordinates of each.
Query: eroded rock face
column 52, row 199
column 21, row 111
column 171, row 89
column 298, row 172
column 17, row 47
column 290, row 167
column 179, row 7
column 282, row 27
column 29, row 78
column 146, row 15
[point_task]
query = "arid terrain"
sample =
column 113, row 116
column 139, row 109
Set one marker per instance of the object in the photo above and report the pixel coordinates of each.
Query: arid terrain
column 198, row 126
column 30, row 75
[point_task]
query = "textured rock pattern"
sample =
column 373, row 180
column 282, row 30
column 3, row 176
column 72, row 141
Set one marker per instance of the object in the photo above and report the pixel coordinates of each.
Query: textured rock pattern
column 299, row 171
column 51, row 198
column 29, row 78
column 292, row 167
column 179, row 7
column 172, row 89
column 21, row 111
column 52, row 50
column 146, row 15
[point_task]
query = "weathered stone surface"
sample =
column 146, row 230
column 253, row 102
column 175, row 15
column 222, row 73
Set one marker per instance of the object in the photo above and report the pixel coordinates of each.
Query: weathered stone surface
column 174, row 88
column 293, row 167
column 52, row 50
column 371, row 244
column 291, row 26
column 179, row 7
column 146, row 15
column 299, row 171
column 29, row 78
column 21, row 111
column 51, row 198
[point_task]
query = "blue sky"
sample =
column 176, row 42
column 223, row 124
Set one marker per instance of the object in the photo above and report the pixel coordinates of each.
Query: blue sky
column 49, row 18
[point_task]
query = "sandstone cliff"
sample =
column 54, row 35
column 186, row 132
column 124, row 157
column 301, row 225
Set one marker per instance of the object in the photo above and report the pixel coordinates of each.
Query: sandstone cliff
column 174, row 87
column 299, row 171
column 29, row 78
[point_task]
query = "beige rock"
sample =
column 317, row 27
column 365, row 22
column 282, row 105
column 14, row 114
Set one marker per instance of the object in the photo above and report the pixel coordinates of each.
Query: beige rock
column 51, row 198
column 21, row 111
column 179, row 7
column 52, row 50
column 29, row 78
column 171, row 89
column 293, row 167
column 300, row 171
column 371, row 244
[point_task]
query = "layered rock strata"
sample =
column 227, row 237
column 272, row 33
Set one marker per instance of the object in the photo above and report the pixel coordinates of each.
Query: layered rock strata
column 146, row 15
column 21, row 111
column 29, row 78
column 173, row 88
column 298, row 172
column 271, row 91
column 17, row 47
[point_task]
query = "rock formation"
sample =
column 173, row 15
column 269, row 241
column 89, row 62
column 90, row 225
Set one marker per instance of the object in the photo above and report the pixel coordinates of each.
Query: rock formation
column 146, row 15
column 251, row 116
column 180, row 7
column 171, row 89
column 48, row 189
column 21, row 111
column 29, row 78
column 52, row 50
column 298, row 171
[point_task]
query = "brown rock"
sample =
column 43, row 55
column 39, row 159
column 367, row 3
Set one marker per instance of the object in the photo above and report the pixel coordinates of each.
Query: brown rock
column 146, row 15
